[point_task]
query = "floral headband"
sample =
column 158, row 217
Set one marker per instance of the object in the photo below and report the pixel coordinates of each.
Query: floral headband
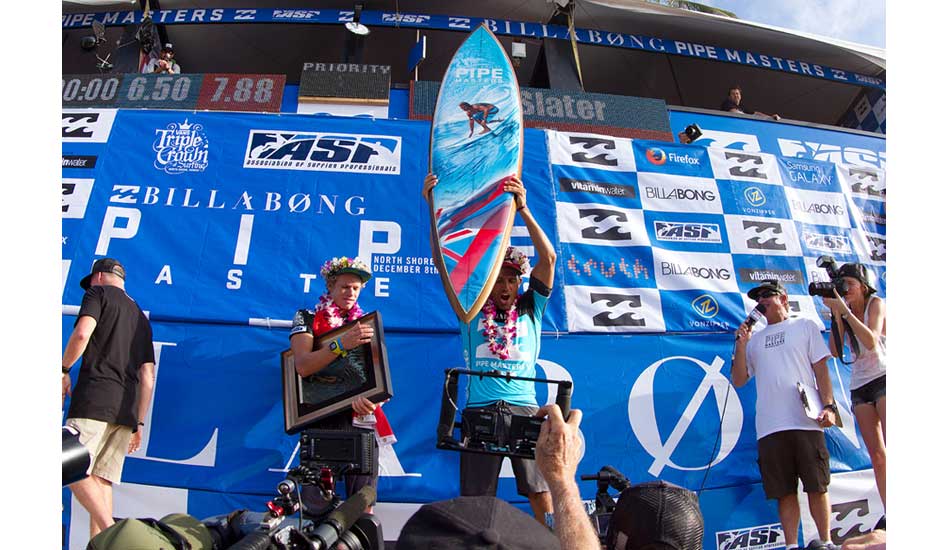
column 516, row 259
column 337, row 266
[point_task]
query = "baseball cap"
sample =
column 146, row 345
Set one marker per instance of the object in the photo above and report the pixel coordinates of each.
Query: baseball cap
column 103, row 265
column 168, row 46
column 474, row 522
column 859, row 272
column 656, row 514
column 768, row 285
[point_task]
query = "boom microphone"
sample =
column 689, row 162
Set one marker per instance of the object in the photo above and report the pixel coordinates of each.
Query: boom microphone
column 339, row 521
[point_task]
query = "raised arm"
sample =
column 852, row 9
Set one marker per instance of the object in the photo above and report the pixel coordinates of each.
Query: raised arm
column 544, row 251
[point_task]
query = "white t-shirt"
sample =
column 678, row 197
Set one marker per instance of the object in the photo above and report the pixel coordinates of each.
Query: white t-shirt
column 778, row 357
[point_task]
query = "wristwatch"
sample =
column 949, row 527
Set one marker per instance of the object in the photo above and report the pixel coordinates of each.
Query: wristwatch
column 336, row 347
column 831, row 407
column 66, row 369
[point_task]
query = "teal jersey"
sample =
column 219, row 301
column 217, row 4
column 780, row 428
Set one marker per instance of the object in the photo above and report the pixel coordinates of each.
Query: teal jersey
column 523, row 354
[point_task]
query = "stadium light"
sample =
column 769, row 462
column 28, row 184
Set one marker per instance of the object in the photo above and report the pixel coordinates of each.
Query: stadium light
column 355, row 26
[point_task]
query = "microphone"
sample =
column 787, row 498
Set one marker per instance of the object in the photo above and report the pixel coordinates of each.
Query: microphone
column 755, row 316
column 326, row 534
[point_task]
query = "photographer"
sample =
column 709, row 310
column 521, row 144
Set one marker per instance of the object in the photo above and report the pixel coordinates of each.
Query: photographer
column 335, row 368
column 507, row 338
column 163, row 64
column 864, row 315
column 791, row 445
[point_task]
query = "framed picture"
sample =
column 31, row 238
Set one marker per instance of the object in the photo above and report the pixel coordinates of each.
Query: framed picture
column 363, row 372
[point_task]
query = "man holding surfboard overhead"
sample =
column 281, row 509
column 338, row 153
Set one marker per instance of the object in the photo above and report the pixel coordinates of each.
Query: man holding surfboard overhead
column 506, row 337
column 478, row 112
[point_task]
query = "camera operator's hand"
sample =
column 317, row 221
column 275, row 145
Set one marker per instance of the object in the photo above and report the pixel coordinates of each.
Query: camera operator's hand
column 357, row 336
column 363, row 406
column 428, row 184
column 837, row 305
column 558, row 450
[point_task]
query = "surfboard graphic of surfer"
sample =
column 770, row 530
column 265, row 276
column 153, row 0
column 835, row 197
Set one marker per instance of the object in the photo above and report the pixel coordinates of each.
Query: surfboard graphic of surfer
column 478, row 112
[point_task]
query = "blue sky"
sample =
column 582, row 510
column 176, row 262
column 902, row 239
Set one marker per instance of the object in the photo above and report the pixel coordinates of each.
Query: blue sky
column 860, row 21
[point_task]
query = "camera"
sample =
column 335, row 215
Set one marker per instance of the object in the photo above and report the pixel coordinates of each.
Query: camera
column 75, row 457
column 494, row 429
column 604, row 504
column 693, row 132
column 826, row 290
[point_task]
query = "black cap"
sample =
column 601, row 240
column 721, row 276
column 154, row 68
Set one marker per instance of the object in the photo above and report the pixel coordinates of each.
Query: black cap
column 656, row 513
column 168, row 46
column 859, row 272
column 768, row 285
column 103, row 265
column 474, row 522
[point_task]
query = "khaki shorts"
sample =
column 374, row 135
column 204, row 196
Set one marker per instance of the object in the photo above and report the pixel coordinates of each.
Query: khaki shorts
column 107, row 445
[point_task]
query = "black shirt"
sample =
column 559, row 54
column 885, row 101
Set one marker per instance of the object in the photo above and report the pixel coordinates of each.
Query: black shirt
column 729, row 105
column 109, row 376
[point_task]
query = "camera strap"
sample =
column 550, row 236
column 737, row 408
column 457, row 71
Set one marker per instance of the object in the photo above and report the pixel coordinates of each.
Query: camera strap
column 837, row 336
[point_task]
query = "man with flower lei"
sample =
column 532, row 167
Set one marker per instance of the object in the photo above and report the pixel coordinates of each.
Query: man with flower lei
column 339, row 366
column 506, row 337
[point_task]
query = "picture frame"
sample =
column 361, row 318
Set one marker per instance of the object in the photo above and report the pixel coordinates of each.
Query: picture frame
column 364, row 372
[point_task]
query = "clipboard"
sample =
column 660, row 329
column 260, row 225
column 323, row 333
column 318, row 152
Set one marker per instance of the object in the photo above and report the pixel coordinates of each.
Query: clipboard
column 811, row 403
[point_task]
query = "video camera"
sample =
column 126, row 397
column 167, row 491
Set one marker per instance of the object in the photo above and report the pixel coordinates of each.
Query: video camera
column 492, row 430
column 604, row 503
column 325, row 455
column 826, row 290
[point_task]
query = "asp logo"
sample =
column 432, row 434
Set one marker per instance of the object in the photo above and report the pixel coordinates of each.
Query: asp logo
column 656, row 156
column 826, row 243
column 706, row 306
column 324, row 152
column 687, row 232
column 762, row 537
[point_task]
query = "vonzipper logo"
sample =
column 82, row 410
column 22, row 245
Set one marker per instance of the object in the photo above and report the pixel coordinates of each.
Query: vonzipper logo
column 706, row 306
column 754, row 196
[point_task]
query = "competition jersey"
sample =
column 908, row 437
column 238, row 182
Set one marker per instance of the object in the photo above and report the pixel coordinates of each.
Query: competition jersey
column 524, row 353
column 778, row 357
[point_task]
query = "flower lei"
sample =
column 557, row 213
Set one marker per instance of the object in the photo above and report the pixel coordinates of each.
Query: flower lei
column 334, row 266
column 328, row 314
column 509, row 331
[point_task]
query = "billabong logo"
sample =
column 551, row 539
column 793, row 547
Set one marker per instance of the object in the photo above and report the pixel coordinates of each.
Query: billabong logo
column 700, row 272
column 629, row 319
column 599, row 216
column 687, row 232
column 866, row 182
column 762, row 537
column 706, row 306
column 745, row 165
column 602, row 147
column 765, row 235
column 324, row 152
column 817, row 207
column 79, row 125
column 878, row 248
column 646, row 425
column 181, row 148
column 845, row 525
column 679, row 194
column 656, row 156
column 754, row 196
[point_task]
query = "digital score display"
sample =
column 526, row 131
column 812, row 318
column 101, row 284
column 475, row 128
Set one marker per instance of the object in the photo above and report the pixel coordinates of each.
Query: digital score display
column 212, row 92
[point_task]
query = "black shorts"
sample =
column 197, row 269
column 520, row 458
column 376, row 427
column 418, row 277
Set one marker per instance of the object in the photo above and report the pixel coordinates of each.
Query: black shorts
column 790, row 455
column 478, row 473
column 869, row 393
